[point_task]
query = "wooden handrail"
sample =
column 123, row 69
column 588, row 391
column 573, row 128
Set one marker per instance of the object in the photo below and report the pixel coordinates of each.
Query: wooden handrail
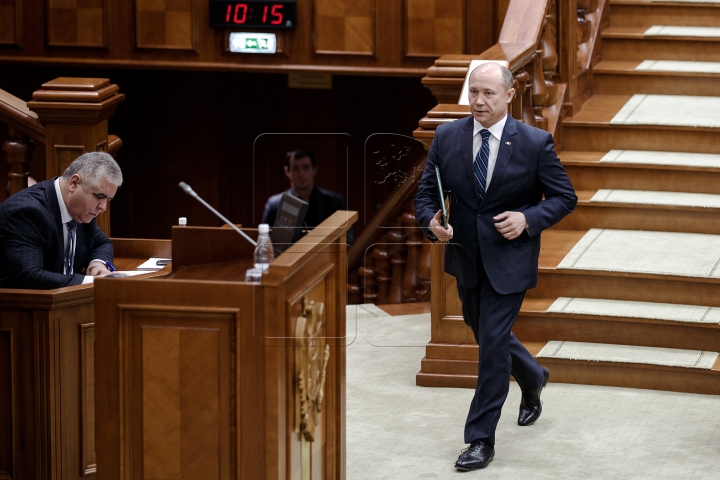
column 15, row 113
column 390, row 209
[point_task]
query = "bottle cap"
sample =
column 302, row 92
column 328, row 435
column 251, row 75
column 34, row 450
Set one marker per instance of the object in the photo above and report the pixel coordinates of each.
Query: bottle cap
column 264, row 228
column 182, row 221
column 253, row 275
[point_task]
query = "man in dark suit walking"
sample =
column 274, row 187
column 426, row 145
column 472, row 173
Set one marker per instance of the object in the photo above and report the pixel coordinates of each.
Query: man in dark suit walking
column 506, row 185
column 48, row 234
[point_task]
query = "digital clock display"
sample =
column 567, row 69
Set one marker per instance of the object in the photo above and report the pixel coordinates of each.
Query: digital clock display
column 251, row 13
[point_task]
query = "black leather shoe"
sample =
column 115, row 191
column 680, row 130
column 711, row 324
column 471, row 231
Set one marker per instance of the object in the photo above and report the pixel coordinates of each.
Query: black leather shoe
column 530, row 405
column 476, row 456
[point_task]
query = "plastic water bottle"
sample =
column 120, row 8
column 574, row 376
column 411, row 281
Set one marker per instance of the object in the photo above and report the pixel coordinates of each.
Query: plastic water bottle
column 264, row 253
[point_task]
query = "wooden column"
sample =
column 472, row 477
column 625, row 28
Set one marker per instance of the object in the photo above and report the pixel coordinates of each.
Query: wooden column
column 411, row 280
column 18, row 149
column 75, row 113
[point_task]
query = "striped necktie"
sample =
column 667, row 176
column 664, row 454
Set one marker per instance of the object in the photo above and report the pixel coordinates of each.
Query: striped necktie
column 70, row 247
column 480, row 165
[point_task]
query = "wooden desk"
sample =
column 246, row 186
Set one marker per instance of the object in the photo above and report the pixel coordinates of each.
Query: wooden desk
column 47, row 382
column 198, row 372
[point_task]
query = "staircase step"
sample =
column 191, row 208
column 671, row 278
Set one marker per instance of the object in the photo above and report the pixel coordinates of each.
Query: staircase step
column 662, row 77
column 619, row 322
column 686, row 276
column 633, row 354
column 443, row 113
column 645, row 210
column 629, row 370
column 645, row 158
column 460, row 371
column 632, row 43
column 681, row 200
column 637, row 251
column 591, row 129
column 645, row 13
column 643, row 170
column 666, row 32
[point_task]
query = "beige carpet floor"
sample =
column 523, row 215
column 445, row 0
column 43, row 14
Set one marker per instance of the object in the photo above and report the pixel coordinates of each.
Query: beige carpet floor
column 645, row 157
column 599, row 352
column 662, row 253
column 629, row 309
column 675, row 110
column 704, row 200
column 682, row 31
column 396, row 430
column 679, row 66
column 688, row 1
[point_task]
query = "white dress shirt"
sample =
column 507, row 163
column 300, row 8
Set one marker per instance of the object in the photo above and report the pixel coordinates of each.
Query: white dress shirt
column 494, row 143
column 65, row 216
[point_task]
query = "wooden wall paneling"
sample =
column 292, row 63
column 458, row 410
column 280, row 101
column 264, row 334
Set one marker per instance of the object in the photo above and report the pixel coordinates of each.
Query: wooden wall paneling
column 9, row 21
column 88, row 460
column 19, row 453
column 501, row 8
column 76, row 23
column 7, row 410
column 57, row 381
column 71, row 401
column 181, row 364
column 481, row 28
column 434, row 27
column 346, row 27
column 167, row 24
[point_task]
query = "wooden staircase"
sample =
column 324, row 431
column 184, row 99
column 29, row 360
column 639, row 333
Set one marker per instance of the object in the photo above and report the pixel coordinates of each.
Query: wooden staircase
column 586, row 136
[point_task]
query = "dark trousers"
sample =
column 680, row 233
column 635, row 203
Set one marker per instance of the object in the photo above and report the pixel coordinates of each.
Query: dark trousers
column 491, row 316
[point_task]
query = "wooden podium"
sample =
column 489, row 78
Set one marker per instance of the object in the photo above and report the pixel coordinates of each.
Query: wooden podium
column 47, row 381
column 201, row 375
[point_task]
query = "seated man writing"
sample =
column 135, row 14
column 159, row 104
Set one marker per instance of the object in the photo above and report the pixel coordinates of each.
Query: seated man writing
column 48, row 234
column 301, row 168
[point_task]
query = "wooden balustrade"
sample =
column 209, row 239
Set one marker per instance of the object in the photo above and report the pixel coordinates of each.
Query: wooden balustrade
column 69, row 116
column 396, row 243
column 411, row 279
column 397, row 268
column 383, row 269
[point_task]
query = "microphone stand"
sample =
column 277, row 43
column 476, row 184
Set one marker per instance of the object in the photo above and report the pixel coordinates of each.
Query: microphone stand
column 192, row 193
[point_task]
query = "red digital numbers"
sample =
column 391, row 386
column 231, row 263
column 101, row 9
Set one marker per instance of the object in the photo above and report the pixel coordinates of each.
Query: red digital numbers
column 244, row 8
column 276, row 12
column 229, row 15
column 238, row 14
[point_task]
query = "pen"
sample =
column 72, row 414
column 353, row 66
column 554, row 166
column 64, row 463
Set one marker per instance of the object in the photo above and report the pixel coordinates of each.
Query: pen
column 110, row 267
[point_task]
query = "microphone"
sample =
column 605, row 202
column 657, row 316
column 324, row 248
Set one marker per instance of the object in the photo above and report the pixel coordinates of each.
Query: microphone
column 192, row 193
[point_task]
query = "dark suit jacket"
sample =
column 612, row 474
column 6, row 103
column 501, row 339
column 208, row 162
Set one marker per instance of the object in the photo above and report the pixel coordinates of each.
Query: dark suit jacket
column 31, row 241
column 322, row 204
column 526, row 169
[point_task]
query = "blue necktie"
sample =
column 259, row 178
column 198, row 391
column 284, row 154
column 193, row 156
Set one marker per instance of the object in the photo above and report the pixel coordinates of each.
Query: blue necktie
column 70, row 247
column 480, row 165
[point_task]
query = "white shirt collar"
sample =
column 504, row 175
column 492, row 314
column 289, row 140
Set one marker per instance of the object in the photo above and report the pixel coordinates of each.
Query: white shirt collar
column 496, row 130
column 64, row 214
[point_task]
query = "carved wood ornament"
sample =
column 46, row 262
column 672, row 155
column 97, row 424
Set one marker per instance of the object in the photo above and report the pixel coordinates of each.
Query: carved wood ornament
column 311, row 359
